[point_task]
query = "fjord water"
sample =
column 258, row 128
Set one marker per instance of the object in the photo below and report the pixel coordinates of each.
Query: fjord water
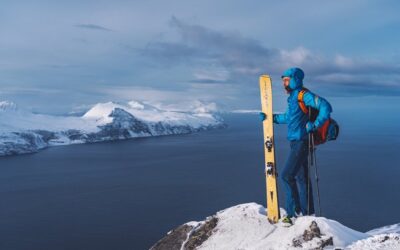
column 128, row 194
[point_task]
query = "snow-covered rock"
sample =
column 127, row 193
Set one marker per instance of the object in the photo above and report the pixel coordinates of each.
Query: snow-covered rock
column 395, row 228
column 377, row 242
column 383, row 238
column 24, row 132
column 245, row 226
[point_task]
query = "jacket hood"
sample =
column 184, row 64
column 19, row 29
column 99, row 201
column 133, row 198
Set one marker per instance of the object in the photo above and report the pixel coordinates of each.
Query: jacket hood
column 296, row 77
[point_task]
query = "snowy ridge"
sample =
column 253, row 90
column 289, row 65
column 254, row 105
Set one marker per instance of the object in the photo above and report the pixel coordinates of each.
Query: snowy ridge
column 245, row 227
column 386, row 230
column 24, row 132
column 377, row 242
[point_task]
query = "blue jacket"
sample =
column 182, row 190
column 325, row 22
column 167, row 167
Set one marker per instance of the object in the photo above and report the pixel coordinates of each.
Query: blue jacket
column 294, row 116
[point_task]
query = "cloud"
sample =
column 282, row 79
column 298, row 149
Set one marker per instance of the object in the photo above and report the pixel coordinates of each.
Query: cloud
column 210, row 76
column 92, row 27
column 29, row 90
column 199, row 45
column 242, row 59
column 220, row 93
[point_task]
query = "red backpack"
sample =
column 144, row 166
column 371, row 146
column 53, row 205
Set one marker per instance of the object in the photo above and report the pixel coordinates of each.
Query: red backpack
column 328, row 131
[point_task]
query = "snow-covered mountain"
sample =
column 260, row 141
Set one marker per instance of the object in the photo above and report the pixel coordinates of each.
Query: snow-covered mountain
column 24, row 132
column 7, row 106
column 245, row 226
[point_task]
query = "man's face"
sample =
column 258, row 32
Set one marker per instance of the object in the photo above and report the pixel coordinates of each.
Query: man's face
column 285, row 81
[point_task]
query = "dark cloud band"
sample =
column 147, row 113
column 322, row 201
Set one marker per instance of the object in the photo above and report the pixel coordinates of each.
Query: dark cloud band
column 92, row 27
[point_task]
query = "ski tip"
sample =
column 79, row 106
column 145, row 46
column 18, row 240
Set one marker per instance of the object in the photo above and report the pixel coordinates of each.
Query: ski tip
column 264, row 75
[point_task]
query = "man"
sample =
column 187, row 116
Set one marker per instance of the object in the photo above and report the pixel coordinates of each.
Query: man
column 299, row 198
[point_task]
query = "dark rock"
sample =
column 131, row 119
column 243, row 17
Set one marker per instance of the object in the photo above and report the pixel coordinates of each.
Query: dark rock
column 314, row 232
column 187, row 236
column 385, row 238
column 123, row 126
column 28, row 142
column 310, row 234
column 324, row 243
column 30, row 138
column 46, row 135
column 74, row 134
column 174, row 239
column 297, row 242
column 201, row 234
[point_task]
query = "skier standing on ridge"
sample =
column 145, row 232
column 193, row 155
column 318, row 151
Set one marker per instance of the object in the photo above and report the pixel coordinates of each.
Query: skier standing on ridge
column 299, row 198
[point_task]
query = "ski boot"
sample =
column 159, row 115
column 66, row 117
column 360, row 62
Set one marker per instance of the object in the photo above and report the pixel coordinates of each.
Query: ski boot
column 287, row 221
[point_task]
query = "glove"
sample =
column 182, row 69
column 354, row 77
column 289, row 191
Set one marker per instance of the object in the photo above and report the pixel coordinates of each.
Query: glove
column 310, row 127
column 263, row 116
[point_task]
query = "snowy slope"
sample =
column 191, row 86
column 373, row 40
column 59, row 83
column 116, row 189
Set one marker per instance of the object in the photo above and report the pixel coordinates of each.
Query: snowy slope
column 389, row 241
column 240, row 220
column 245, row 227
column 386, row 230
column 383, row 238
column 23, row 132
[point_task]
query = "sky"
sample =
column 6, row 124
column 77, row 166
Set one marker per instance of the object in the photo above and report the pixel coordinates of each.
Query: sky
column 64, row 56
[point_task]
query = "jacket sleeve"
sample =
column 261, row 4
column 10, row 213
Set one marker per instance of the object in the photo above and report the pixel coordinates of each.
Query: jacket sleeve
column 280, row 118
column 319, row 103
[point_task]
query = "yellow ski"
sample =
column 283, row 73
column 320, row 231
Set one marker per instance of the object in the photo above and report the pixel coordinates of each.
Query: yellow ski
column 269, row 149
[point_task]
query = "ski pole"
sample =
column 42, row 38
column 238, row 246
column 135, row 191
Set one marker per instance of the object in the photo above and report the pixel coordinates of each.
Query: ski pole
column 309, row 162
column 316, row 176
column 308, row 177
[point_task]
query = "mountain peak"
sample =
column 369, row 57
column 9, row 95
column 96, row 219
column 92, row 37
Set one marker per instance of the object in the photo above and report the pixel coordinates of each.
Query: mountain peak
column 8, row 106
column 245, row 226
column 101, row 111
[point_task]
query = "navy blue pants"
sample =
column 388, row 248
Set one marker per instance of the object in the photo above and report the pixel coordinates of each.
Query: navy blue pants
column 298, row 189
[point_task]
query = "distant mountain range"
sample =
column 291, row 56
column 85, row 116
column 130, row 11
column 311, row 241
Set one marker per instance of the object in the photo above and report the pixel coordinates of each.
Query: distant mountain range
column 24, row 132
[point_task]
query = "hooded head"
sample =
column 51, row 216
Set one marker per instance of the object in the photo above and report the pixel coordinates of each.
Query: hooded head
column 296, row 77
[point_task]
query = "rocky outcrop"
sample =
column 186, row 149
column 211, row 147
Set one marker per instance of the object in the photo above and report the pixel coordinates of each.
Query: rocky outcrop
column 186, row 236
column 313, row 233
column 175, row 239
column 246, row 226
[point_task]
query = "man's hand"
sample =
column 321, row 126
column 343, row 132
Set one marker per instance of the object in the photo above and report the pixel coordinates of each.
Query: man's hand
column 263, row 116
column 310, row 127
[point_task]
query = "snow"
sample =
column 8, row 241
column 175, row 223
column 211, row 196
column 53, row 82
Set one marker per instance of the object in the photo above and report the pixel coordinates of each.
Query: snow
column 100, row 113
column 386, row 230
column 378, row 242
column 21, row 120
column 245, row 226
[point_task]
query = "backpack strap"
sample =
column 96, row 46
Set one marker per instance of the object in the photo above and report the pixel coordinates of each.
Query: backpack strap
column 300, row 100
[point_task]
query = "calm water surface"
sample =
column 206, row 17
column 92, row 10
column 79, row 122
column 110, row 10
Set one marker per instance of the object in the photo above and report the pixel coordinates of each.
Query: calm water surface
column 128, row 194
